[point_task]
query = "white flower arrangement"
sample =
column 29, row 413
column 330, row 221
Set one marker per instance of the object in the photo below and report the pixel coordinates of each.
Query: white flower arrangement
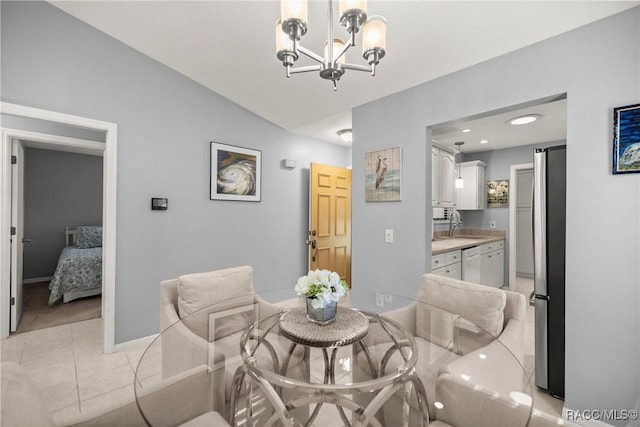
column 322, row 286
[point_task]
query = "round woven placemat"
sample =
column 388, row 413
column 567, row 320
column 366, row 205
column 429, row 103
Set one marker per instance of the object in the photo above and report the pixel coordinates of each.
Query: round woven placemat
column 347, row 327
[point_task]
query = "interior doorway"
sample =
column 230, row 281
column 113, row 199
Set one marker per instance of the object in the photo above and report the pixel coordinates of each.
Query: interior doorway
column 108, row 148
column 62, row 190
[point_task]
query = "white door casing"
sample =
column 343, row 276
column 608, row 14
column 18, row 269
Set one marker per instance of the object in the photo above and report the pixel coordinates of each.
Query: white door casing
column 109, row 153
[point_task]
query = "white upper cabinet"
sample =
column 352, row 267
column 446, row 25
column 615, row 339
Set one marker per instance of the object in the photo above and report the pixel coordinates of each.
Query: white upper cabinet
column 472, row 196
column 442, row 177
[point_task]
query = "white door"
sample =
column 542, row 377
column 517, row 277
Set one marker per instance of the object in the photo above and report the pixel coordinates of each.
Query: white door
column 17, row 232
column 524, row 230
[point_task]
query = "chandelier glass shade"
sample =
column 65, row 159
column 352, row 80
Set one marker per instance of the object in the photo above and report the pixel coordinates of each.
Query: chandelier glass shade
column 292, row 26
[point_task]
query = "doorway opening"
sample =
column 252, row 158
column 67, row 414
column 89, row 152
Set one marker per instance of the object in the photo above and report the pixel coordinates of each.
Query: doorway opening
column 61, row 279
column 53, row 141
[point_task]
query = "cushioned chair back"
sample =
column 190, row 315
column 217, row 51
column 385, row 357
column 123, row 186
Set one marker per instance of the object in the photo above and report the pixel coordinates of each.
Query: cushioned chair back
column 225, row 292
column 479, row 304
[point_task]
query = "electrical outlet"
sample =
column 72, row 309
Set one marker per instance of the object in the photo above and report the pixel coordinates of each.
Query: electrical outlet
column 388, row 298
column 379, row 299
column 492, row 224
column 388, row 235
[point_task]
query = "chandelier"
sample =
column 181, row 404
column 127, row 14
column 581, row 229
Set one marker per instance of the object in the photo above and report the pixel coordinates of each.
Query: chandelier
column 292, row 26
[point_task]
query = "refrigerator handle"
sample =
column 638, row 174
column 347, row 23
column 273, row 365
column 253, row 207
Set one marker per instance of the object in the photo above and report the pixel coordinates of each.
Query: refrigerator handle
column 540, row 222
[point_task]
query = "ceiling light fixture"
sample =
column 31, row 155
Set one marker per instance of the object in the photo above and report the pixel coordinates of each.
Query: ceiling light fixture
column 346, row 135
column 459, row 180
column 484, row 141
column 466, row 130
column 524, row 120
column 292, row 25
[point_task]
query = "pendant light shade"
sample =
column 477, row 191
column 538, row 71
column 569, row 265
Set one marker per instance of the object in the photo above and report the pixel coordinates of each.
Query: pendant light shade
column 459, row 180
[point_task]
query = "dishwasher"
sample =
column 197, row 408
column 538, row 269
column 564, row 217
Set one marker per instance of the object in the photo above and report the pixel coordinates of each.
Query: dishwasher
column 471, row 258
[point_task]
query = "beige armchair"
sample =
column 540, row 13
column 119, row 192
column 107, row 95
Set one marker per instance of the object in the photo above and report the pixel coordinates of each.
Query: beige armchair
column 202, row 317
column 453, row 321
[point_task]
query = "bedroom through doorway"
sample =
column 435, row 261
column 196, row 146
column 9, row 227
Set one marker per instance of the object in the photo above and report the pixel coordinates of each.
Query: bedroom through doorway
column 61, row 273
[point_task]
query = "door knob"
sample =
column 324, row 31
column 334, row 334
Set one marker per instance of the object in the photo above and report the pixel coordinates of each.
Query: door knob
column 26, row 240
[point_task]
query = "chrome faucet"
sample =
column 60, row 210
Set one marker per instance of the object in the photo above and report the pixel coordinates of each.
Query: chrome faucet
column 454, row 221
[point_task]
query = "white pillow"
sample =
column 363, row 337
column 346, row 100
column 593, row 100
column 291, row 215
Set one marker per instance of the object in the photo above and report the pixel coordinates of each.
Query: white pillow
column 214, row 291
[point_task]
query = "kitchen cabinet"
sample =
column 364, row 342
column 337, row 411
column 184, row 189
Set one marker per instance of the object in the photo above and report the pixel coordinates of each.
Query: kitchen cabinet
column 472, row 196
column 447, row 264
column 492, row 264
column 442, row 177
column 471, row 268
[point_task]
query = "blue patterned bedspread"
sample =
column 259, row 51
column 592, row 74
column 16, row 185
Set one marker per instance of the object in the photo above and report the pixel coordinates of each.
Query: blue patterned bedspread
column 78, row 269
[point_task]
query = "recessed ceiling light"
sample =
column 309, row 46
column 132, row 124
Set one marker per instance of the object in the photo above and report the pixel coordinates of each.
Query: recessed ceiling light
column 466, row 130
column 484, row 141
column 524, row 120
column 346, row 135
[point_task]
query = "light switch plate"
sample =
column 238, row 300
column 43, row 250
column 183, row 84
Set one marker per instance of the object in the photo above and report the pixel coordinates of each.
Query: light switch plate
column 388, row 235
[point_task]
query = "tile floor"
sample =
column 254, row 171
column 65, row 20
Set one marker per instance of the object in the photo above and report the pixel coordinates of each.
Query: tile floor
column 67, row 364
column 541, row 399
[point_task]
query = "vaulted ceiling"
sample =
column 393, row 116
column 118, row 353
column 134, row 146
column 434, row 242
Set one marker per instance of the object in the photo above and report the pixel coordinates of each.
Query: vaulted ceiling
column 229, row 47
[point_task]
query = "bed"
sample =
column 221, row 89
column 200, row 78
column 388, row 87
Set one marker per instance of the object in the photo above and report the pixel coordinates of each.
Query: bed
column 79, row 270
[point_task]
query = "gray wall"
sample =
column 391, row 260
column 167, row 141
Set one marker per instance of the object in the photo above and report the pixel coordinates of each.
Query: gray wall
column 499, row 167
column 61, row 190
column 598, row 67
column 165, row 122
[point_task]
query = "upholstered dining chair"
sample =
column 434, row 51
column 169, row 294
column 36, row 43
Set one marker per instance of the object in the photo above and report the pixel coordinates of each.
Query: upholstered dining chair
column 202, row 316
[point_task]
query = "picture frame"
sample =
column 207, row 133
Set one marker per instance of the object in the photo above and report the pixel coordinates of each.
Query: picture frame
column 626, row 139
column 235, row 173
column 498, row 193
column 383, row 175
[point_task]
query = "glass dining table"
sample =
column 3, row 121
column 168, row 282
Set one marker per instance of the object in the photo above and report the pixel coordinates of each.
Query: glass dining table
column 264, row 363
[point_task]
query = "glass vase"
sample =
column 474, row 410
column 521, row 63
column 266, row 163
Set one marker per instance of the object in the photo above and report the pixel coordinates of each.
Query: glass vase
column 321, row 315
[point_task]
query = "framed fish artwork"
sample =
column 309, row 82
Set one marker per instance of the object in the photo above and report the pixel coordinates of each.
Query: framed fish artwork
column 235, row 173
column 626, row 139
column 383, row 175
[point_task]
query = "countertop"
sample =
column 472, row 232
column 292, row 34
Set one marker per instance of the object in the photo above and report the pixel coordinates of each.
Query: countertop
column 467, row 239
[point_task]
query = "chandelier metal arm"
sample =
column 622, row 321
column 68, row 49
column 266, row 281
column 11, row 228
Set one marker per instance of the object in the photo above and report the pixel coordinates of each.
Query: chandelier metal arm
column 356, row 67
column 303, row 50
column 305, row 69
column 346, row 47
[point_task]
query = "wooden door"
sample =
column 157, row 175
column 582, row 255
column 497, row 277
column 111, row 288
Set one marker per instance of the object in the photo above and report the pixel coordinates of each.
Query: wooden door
column 330, row 220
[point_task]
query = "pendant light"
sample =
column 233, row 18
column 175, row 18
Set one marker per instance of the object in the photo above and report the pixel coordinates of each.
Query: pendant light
column 459, row 180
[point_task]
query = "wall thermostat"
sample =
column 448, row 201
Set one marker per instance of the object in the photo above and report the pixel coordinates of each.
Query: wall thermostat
column 159, row 204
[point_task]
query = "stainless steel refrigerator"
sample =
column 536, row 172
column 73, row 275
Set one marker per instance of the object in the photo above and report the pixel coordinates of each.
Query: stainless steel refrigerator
column 549, row 229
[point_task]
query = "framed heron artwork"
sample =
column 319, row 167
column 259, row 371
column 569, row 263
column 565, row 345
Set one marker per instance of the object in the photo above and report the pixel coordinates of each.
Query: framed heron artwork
column 235, row 173
column 383, row 175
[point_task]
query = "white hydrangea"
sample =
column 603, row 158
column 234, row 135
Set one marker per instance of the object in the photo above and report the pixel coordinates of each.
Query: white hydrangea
column 323, row 286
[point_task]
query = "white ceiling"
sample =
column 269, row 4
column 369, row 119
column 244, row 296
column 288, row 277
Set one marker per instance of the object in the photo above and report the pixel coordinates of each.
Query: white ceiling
column 496, row 129
column 229, row 47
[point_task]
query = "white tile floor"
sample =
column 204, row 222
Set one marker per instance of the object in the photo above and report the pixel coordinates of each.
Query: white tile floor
column 67, row 364
column 541, row 399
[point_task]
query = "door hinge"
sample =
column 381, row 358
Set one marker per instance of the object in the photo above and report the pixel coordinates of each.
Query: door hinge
column 13, row 300
column 14, row 160
column 13, row 231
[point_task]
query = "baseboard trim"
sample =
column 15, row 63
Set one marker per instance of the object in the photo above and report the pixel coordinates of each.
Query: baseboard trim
column 37, row 280
column 128, row 345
